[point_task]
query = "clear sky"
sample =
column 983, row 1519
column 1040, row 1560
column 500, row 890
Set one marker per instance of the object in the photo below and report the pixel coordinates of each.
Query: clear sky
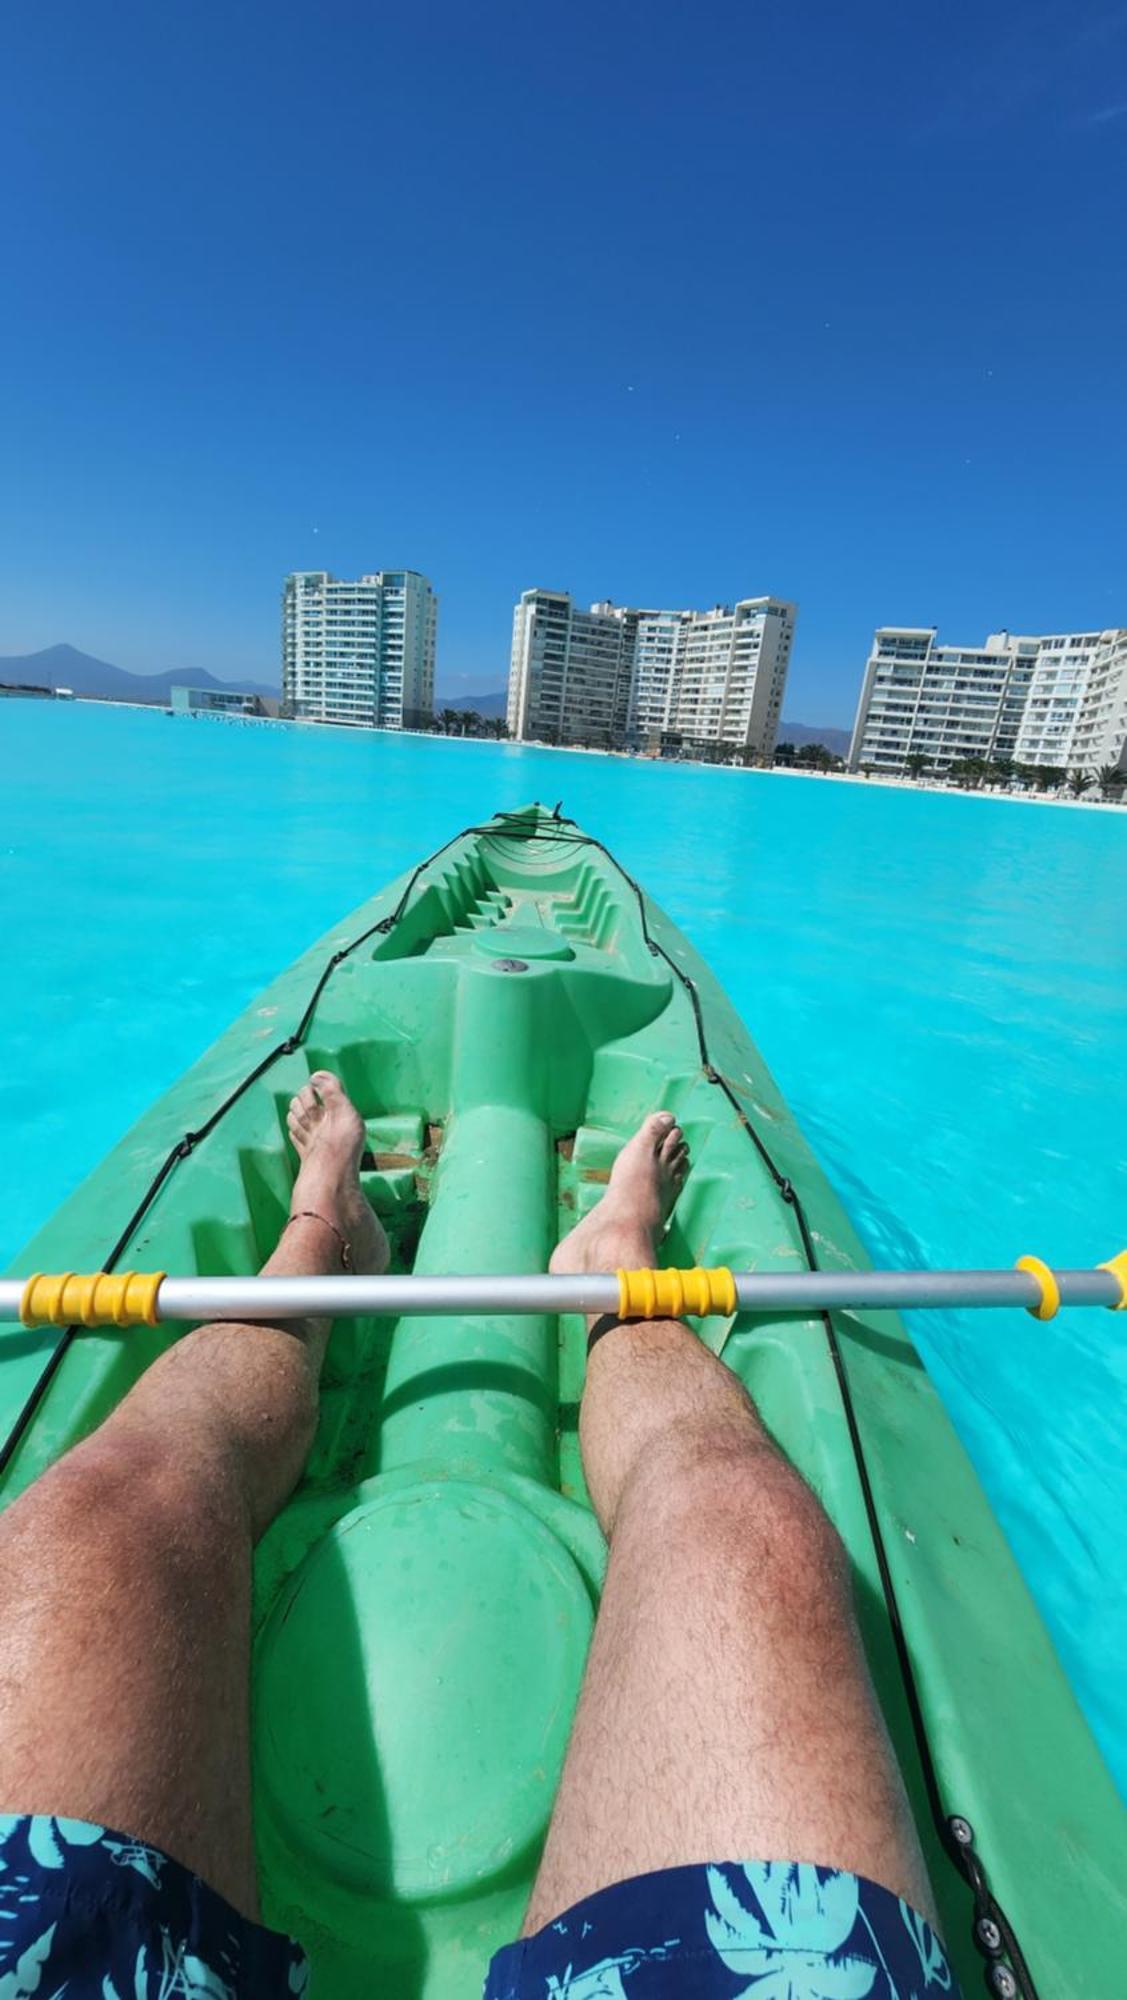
column 664, row 303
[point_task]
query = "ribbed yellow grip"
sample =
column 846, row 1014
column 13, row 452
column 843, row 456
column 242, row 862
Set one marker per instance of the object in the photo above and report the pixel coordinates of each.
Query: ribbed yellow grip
column 1118, row 1268
column 672, row 1294
column 100, row 1298
column 1049, row 1303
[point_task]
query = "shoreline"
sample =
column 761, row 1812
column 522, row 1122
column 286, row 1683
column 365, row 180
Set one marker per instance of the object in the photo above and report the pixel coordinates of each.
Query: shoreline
column 891, row 784
column 883, row 783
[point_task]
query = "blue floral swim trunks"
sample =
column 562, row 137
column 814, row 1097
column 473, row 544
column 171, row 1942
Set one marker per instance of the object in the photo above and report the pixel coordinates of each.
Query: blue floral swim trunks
column 99, row 1916
column 90, row 1914
column 758, row 1930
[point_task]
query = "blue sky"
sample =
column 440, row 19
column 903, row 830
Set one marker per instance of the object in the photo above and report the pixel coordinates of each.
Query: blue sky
column 669, row 304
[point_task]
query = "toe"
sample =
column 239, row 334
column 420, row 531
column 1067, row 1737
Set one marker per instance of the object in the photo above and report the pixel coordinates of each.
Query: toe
column 658, row 1126
column 671, row 1138
column 326, row 1084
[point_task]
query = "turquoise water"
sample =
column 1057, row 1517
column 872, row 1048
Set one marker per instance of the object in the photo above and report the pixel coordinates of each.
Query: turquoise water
column 940, row 985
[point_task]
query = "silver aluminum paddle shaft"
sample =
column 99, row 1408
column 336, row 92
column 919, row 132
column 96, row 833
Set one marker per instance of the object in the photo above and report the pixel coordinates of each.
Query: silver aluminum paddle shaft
column 337, row 1297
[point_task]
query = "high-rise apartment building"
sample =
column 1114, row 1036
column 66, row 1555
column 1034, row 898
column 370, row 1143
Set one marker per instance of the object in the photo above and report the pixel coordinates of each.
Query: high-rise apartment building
column 618, row 674
column 944, row 703
column 1100, row 736
column 656, row 638
column 1058, row 699
column 1052, row 700
column 360, row 652
column 729, row 673
column 569, row 675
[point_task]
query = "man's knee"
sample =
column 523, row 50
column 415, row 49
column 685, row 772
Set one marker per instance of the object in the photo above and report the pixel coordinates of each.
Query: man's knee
column 740, row 1511
column 125, row 1501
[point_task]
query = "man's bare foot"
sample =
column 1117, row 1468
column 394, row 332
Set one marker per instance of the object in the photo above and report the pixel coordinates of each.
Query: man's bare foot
column 328, row 1136
column 625, row 1226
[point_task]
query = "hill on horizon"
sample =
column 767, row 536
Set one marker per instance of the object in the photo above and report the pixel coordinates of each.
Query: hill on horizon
column 66, row 666
column 800, row 733
column 493, row 701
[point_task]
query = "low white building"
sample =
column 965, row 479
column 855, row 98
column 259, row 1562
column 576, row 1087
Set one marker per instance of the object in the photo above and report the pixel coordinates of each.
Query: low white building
column 618, row 674
column 359, row 652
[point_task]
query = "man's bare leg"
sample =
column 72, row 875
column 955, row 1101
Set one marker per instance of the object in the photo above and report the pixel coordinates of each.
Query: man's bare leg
column 125, row 1571
column 727, row 1712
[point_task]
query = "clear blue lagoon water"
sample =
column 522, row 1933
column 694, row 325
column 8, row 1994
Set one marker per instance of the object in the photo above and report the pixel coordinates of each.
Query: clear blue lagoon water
column 938, row 983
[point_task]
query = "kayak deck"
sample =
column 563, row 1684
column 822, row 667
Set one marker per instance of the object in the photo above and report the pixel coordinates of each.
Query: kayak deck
column 423, row 1605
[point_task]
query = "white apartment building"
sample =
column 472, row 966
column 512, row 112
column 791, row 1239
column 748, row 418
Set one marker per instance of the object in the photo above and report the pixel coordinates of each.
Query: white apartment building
column 1059, row 720
column 730, row 672
column 570, row 671
column 919, row 698
column 656, row 639
column 616, row 674
column 1100, row 734
column 359, row 652
column 1023, row 698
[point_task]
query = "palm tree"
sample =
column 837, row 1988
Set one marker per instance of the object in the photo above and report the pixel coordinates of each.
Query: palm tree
column 818, row 757
column 968, row 772
column 1111, row 780
column 1004, row 769
column 1079, row 782
column 915, row 762
column 1049, row 777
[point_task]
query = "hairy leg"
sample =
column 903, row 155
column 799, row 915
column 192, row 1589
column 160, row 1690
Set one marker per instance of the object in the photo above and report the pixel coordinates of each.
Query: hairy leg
column 727, row 1711
column 125, row 1571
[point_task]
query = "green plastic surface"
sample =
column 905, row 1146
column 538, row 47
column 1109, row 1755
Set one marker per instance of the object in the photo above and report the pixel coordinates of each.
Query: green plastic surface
column 424, row 1603
column 444, row 1575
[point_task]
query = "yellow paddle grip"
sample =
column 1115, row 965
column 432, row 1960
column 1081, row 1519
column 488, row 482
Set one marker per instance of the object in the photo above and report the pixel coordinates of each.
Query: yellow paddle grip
column 100, row 1298
column 1049, row 1303
column 671, row 1294
column 1118, row 1268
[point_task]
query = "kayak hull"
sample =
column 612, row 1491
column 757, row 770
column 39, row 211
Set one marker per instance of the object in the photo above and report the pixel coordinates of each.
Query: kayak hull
column 424, row 1603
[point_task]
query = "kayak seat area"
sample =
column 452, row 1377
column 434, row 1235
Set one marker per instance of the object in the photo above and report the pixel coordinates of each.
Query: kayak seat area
column 521, row 1028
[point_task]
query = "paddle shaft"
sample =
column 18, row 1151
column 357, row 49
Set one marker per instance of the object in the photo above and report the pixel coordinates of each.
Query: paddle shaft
column 338, row 1297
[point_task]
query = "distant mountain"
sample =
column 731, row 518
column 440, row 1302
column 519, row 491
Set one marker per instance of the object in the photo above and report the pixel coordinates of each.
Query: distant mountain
column 798, row 733
column 494, row 702
column 65, row 666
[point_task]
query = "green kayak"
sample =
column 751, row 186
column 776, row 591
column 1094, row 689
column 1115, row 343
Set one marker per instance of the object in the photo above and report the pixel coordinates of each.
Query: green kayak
column 504, row 1017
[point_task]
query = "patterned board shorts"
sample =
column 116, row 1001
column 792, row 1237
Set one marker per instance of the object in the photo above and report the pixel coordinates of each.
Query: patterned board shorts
column 99, row 1916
